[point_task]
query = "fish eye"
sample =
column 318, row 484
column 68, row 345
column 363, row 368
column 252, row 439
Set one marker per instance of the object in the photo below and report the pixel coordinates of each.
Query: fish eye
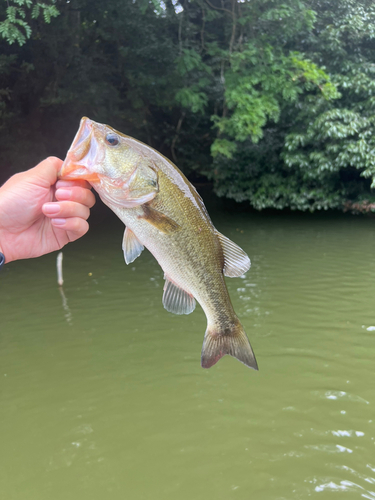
column 112, row 139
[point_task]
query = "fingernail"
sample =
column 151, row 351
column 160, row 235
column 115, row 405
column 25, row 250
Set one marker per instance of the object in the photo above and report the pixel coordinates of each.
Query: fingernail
column 58, row 222
column 63, row 194
column 51, row 208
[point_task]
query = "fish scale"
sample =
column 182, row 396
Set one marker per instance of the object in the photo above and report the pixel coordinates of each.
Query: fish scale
column 163, row 212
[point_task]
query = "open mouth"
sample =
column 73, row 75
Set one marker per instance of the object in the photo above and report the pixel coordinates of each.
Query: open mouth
column 81, row 155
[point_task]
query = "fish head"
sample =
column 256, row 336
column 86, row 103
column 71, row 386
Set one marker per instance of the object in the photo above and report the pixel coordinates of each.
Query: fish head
column 108, row 160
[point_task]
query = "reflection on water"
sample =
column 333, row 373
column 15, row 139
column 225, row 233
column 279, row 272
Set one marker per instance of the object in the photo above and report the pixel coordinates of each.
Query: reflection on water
column 102, row 394
column 67, row 311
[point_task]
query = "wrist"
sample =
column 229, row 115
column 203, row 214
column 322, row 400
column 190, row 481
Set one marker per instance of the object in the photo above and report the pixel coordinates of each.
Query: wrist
column 2, row 258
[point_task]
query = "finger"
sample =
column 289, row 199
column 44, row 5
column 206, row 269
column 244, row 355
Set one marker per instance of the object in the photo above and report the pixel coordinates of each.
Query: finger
column 48, row 169
column 44, row 174
column 75, row 227
column 84, row 184
column 76, row 194
column 66, row 209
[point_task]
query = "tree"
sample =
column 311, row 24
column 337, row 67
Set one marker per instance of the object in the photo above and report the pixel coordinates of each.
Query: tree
column 269, row 99
column 334, row 140
column 259, row 81
column 16, row 27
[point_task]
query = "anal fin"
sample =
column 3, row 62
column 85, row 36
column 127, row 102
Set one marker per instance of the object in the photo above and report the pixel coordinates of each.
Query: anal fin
column 236, row 261
column 176, row 300
column 131, row 246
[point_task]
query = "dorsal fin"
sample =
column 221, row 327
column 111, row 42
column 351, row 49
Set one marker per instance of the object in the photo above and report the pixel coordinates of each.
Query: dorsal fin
column 131, row 246
column 236, row 261
column 176, row 300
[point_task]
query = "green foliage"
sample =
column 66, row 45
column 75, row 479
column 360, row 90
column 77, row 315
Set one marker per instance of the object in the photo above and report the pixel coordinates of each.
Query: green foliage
column 254, row 174
column 193, row 96
column 320, row 100
column 271, row 100
column 260, row 83
column 331, row 137
column 224, row 148
column 336, row 139
column 15, row 27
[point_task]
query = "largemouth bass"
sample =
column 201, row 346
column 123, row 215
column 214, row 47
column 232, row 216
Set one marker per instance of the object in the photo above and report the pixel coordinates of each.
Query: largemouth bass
column 163, row 212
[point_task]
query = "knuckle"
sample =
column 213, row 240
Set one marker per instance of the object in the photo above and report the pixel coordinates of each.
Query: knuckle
column 76, row 224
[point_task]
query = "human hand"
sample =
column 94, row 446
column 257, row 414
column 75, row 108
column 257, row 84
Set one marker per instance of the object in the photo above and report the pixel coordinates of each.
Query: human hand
column 40, row 214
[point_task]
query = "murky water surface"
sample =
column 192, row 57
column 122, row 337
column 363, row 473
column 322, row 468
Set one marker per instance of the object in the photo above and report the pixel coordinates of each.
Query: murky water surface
column 102, row 395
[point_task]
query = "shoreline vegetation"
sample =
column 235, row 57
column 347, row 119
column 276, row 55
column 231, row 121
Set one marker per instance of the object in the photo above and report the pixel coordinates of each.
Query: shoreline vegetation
column 271, row 102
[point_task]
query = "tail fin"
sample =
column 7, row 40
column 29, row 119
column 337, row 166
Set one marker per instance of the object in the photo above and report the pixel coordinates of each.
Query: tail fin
column 235, row 343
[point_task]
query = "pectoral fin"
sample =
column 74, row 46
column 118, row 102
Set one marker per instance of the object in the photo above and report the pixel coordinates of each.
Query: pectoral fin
column 131, row 246
column 236, row 261
column 176, row 300
column 163, row 223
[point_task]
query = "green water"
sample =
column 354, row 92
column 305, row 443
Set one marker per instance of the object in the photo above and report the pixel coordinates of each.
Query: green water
column 102, row 395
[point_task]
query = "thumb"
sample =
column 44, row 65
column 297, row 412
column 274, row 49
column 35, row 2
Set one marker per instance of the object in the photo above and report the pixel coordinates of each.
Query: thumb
column 46, row 171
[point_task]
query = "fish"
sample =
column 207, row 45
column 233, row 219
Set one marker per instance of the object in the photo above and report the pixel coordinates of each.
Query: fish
column 163, row 212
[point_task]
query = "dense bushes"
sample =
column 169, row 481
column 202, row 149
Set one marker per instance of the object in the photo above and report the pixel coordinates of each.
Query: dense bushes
column 271, row 100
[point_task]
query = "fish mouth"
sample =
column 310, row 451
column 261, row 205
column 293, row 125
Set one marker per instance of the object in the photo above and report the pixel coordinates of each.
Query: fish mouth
column 82, row 155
